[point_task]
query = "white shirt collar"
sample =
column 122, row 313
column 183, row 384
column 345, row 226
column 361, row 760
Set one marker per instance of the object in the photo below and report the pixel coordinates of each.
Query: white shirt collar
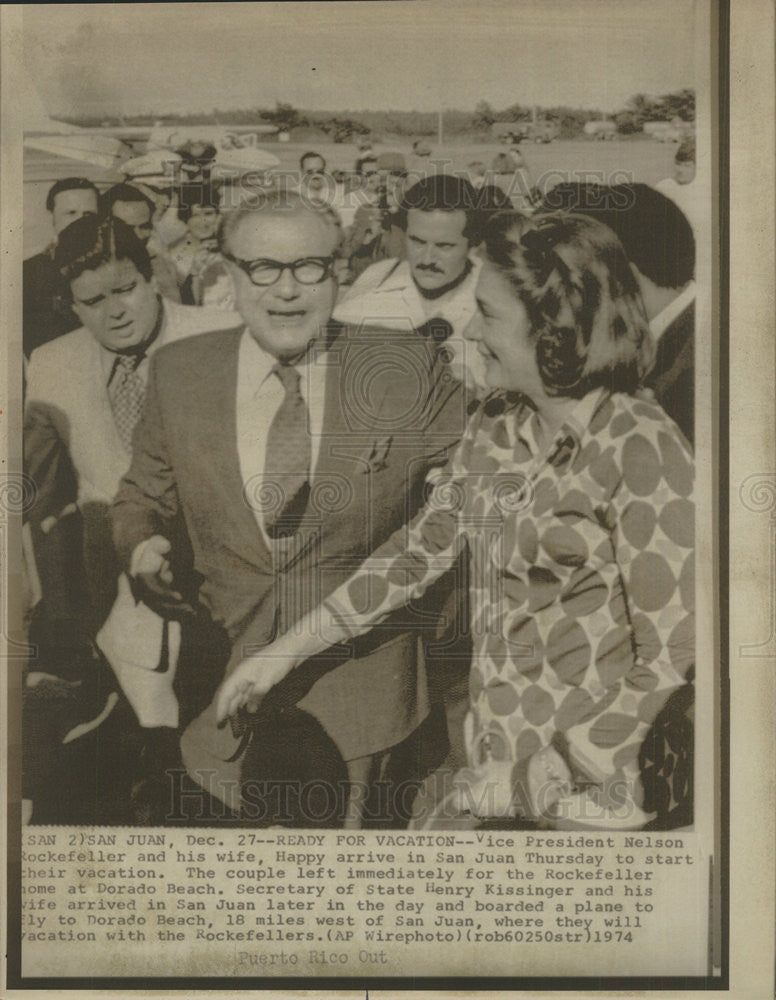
column 256, row 364
column 660, row 323
column 108, row 358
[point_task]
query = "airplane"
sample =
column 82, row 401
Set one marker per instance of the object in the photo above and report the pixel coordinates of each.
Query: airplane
column 235, row 147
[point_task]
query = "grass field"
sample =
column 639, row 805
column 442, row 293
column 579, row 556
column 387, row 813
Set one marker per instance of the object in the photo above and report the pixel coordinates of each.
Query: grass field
column 637, row 159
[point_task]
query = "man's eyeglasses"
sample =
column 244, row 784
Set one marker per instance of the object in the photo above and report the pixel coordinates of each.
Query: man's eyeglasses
column 262, row 272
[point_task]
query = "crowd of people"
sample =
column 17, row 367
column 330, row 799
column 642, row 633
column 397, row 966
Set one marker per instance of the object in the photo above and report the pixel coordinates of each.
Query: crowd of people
column 362, row 503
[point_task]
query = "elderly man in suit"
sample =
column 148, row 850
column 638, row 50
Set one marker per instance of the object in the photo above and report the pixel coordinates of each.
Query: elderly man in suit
column 292, row 448
column 84, row 395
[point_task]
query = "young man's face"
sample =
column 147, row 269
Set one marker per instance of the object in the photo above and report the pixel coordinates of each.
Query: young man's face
column 203, row 222
column 313, row 165
column 116, row 304
column 437, row 250
column 71, row 205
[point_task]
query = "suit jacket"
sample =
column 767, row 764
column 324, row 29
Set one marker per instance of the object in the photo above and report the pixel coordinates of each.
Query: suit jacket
column 42, row 318
column 68, row 412
column 673, row 376
column 385, row 424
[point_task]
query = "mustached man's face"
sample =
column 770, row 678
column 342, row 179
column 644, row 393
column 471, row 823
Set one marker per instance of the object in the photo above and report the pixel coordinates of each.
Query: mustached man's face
column 437, row 250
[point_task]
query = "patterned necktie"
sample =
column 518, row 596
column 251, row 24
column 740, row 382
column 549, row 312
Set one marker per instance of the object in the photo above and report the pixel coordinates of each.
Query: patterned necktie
column 127, row 392
column 287, row 459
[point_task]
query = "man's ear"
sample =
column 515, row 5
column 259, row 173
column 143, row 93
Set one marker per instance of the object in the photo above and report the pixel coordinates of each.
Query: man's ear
column 64, row 304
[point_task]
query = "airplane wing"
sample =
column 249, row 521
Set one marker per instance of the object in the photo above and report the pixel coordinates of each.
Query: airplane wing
column 99, row 150
column 112, row 147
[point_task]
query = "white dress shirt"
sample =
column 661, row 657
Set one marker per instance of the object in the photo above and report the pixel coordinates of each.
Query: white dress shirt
column 259, row 395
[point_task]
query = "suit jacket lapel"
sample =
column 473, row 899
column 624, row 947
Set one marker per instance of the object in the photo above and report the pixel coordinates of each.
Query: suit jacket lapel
column 111, row 459
column 216, row 402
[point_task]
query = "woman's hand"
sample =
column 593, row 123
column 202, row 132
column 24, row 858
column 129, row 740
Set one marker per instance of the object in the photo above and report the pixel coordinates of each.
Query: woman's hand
column 593, row 809
column 496, row 789
column 252, row 679
column 486, row 791
column 548, row 780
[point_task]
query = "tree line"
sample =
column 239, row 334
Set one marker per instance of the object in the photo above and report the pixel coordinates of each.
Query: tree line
column 346, row 126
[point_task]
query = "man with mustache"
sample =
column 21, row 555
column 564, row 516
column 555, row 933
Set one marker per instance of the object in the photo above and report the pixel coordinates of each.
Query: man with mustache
column 441, row 222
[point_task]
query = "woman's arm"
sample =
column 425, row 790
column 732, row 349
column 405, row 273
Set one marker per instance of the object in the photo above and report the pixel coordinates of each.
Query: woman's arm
column 396, row 573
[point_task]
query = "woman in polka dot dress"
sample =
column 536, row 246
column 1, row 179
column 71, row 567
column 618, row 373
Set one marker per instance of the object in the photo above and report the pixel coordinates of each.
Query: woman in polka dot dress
column 572, row 491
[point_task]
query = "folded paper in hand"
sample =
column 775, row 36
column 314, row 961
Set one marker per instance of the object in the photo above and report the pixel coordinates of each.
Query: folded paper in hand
column 142, row 649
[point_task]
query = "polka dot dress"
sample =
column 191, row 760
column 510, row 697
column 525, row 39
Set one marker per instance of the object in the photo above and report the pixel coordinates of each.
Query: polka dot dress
column 581, row 575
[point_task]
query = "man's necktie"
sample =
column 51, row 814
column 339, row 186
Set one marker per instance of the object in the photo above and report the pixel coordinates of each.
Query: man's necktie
column 287, row 459
column 127, row 391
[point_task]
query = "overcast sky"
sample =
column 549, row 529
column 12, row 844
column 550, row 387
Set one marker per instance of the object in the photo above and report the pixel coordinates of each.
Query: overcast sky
column 376, row 54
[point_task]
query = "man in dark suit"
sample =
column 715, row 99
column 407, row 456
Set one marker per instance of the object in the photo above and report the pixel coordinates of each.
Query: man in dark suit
column 292, row 448
column 44, row 317
column 660, row 246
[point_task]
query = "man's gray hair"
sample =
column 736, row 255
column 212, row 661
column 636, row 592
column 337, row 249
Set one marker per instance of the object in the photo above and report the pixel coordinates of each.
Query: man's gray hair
column 278, row 201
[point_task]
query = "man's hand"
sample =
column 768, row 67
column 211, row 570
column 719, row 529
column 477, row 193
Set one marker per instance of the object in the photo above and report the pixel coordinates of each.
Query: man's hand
column 152, row 580
column 252, row 680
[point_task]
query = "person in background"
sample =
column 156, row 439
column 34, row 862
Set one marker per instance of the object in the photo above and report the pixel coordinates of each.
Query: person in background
column 369, row 174
column 435, row 273
column 374, row 234
column 682, row 188
column 203, row 278
column 314, row 181
column 312, row 164
column 128, row 203
column 477, row 171
column 660, row 246
column 44, row 315
column 365, row 153
column 420, row 163
column 77, row 443
column 582, row 620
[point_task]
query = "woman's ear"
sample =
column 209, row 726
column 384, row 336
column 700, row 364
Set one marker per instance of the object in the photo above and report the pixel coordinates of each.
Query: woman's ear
column 559, row 359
